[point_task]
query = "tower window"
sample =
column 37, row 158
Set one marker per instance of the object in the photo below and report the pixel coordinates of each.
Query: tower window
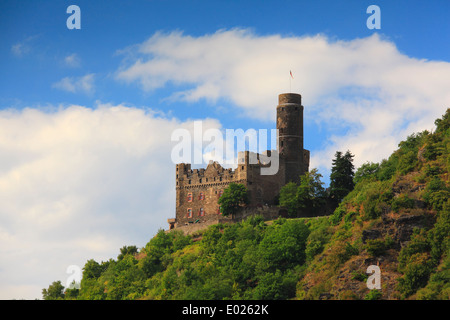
column 201, row 196
column 189, row 213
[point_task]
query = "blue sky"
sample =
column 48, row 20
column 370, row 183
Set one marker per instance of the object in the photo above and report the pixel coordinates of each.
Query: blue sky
column 86, row 115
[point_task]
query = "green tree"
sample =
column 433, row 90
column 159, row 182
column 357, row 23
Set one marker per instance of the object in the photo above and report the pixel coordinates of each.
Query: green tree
column 55, row 291
column 341, row 177
column 309, row 194
column 288, row 198
column 366, row 171
column 233, row 197
column 127, row 250
column 283, row 245
column 92, row 269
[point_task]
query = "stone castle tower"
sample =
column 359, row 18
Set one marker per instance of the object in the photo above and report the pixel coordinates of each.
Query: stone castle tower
column 290, row 130
column 198, row 190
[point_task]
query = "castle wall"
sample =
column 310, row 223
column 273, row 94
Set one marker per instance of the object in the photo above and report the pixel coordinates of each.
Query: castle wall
column 198, row 191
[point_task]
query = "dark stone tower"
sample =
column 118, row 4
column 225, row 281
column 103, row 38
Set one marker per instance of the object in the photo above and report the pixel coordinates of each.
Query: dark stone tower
column 290, row 129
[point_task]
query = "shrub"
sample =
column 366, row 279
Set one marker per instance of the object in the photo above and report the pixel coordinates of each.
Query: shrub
column 347, row 253
column 416, row 274
column 375, row 247
column 402, row 201
column 373, row 295
column 338, row 214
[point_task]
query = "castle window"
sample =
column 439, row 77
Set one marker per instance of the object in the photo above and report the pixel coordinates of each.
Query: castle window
column 220, row 179
column 201, row 212
column 200, row 181
column 189, row 213
column 201, row 196
column 242, row 167
column 189, row 181
column 189, row 197
column 219, row 211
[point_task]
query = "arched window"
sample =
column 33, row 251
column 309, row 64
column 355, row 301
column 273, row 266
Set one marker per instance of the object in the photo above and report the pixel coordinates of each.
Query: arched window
column 201, row 212
column 189, row 213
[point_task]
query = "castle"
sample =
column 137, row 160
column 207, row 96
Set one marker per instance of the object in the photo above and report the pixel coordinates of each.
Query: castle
column 198, row 190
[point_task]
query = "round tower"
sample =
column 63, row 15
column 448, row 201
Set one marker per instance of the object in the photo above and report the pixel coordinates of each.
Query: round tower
column 290, row 130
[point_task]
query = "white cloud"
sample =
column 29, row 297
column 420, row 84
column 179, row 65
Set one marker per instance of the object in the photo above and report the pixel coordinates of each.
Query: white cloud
column 84, row 84
column 72, row 60
column 24, row 47
column 79, row 183
column 364, row 92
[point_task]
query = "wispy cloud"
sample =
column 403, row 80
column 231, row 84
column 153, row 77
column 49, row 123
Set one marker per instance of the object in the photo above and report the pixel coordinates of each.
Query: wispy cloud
column 84, row 84
column 72, row 60
column 364, row 92
column 23, row 47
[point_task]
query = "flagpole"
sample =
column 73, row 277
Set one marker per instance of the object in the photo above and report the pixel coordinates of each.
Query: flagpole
column 290, row 79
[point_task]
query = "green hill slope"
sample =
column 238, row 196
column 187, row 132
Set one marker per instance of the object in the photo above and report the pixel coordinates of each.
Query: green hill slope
column 397, row 217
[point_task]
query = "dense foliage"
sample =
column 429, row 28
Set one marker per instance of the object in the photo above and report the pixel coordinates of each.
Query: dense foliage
column 248, row 260
column 398, row 214
column 234, row 196
column 309, row 194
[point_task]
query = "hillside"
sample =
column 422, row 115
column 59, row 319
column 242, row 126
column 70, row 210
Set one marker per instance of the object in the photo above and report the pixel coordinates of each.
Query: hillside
column 397, row 217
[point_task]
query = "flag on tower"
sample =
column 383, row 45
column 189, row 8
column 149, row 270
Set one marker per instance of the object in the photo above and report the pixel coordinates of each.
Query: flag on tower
column 291, row 74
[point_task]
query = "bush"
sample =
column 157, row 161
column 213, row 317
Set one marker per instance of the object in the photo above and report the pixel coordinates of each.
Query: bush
column 283, row 246
column 402, row 201
column 373, row 295
column 338, row 214
column 375, row 247
column 275, row 286
column 416, row 274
